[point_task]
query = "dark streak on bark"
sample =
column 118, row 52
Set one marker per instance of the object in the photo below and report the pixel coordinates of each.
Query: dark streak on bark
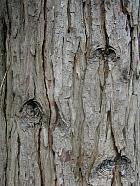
column 53, row 152
column 118, row 154
column 101, row 96
column 88, row 20
column 139, row 44
column 5, row 95
column 116, row 174
column 7, row 15
column 87, row 39
column 23, row 13
column 6, row 133
column 106, row 50
column 69, row 16
column 43, row 55
column 4, row 53
column 113, row 139
column 103, row 21
column 43, row 58
column 108, row 121
column 131, row 42
column 112, row 134
column 106, row 67
column 39, row 158
column 18, row 158
column 131, row 72
column 76, row 78
column 124, row 4
column 131, row 51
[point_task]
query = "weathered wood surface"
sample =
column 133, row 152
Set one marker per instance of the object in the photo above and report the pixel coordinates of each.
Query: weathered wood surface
column 69, row 93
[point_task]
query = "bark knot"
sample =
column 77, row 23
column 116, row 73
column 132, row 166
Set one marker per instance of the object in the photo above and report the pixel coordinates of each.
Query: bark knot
column 30, row 114
column 107, row 166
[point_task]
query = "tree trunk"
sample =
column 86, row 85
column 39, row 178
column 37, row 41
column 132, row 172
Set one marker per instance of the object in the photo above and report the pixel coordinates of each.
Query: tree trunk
column 69, row 93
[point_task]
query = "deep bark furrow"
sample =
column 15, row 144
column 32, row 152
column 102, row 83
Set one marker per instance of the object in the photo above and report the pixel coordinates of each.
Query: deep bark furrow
column 39, row 158
column 69, row 16
column 3, row 98
column 18, row 158
column 103, row 20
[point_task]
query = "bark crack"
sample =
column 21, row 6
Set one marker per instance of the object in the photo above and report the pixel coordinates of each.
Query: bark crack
column 69, row 16
column 6, row 132
column 112, row 134
column 18, row 158
column 5, row 93
column 103, row 21
column 50, row 137
column 124, row 4
column 118, row 154
column 39, row 158
column 8, row 18
column 43, row 57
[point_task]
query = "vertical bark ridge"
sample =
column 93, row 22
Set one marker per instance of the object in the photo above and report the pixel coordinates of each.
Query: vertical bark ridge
column 49, row 80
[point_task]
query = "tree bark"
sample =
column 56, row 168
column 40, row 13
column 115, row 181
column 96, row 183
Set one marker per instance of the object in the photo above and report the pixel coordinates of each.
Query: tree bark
column 69, row 93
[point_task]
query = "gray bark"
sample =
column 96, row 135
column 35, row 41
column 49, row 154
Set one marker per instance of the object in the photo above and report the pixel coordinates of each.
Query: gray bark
column 69, row 93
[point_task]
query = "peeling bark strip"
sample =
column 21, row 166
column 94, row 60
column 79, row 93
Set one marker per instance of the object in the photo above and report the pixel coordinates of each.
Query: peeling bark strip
column 69, row 93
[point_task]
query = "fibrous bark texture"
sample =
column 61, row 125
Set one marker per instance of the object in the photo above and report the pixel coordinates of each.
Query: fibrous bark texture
column 69, row 93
